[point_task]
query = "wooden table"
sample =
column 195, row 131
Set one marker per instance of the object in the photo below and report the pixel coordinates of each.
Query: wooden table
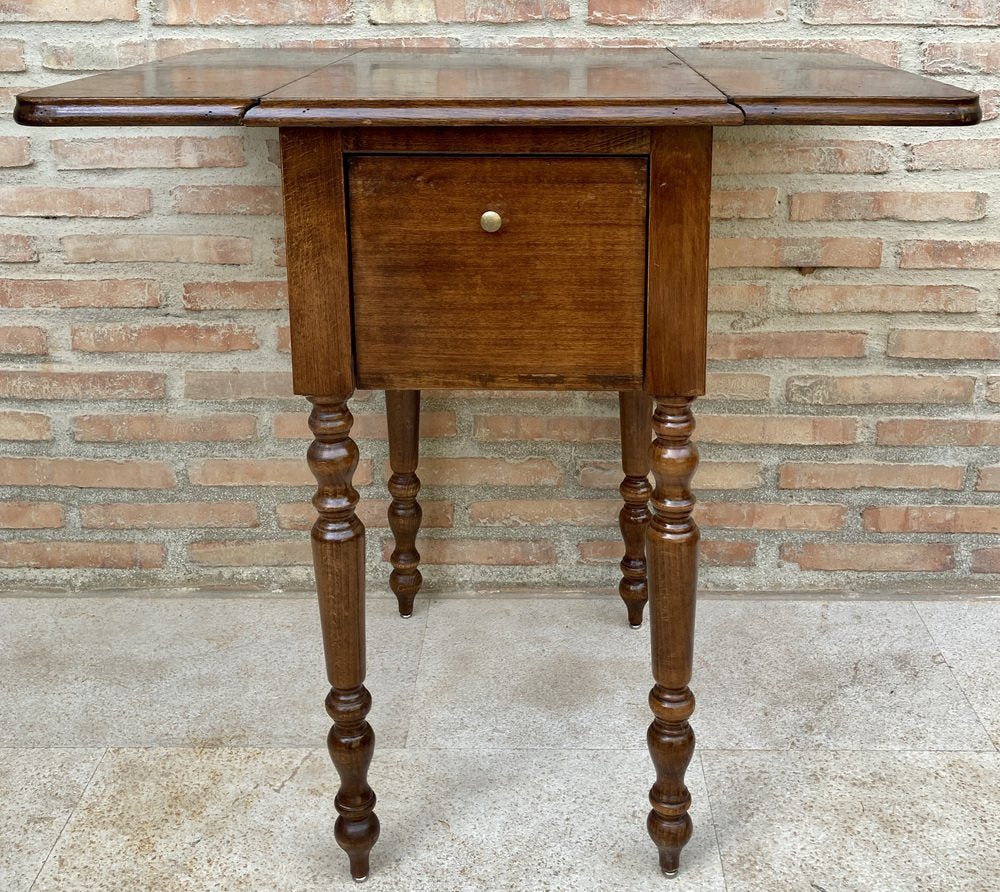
column 501, row 219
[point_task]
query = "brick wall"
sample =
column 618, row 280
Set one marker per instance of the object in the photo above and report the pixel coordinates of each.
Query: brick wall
column 850, row 438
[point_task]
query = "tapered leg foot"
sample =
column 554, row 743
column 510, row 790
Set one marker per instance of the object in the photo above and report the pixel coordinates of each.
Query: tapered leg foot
column 403, row 414
column 338, row 540
column 672, row 549
column 634, row 415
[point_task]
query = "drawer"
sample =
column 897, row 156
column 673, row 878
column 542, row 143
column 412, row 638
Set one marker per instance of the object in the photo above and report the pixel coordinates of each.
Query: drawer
column 555, row 297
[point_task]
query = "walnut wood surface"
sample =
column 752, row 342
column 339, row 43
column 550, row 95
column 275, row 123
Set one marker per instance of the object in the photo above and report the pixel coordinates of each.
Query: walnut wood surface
column 672, row 553
column 634, row 410
column 680, row 182
column 338, row 542
column 319, row 288
column 498, row 140
column 402, row 408
column 472, row 86
column 798, row 87
column 554, row 299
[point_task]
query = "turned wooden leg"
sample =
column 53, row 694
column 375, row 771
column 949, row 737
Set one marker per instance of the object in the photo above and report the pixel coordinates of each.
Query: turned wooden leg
column 402, row 408
column 338, row 543
column 634, row 415
column 672, row 550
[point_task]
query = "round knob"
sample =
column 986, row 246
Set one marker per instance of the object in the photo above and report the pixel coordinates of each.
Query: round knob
column 491, row 221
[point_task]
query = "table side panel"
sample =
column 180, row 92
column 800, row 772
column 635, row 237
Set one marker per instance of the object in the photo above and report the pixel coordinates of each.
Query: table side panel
column 554, row 299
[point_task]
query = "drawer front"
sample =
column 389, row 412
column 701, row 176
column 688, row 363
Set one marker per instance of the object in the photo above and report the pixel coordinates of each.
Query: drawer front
column 553, row 298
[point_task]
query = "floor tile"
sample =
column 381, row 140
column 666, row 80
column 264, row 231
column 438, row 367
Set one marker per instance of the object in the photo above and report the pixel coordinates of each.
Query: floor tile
column 892, row 822
column 201, row 672
column 528, row 673
column 235, row 819
column 969, row 637
column 40, row 787
column 825, row 675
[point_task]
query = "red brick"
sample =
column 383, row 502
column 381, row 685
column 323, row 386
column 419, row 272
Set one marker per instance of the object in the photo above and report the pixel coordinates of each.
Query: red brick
column 804, row 430
column 488, row 472
column 993, row 389
column 482, row 552
column 955, row 154
column 941, row 254
column 126, row 385
column 801, row 156
column 148, row 151
column 171, row 338
column 15, row 151
column 373, row 43
column 915, row 206
column 86, row 473
column 70, row 293
column 916, row 343
column 564, row 429
column 262, row 472
column 929, row 12
column 167, row 515
column 252, row 553
column 710, row 475
column 711, row 552
column 51, row 201
column 744, row 204
column 238, row 385
column 23, row 340
column 280, row 257
column 771, row 516
column 787, row 345
column 986, row 560
column 373, row 514
column 738, row 298
column 735, row 386
column 933, row 519
column 235, row 296
column 284, row 339
column 16, row 425
column 989, row 479
column 16, row 248
column 937, row 432
column 545, row 512
column 68, row 11
column 623, row 12
column 864, row 557
column 857, row 298
column 58, row 553
column 845, row 475
column 157, row 428
column 807, row 252
column 961, row 58
column 866, row 390
column 295, row 426
column 30, row 515
column 157, row 248
column 12, row 55
column 885, row 52
column 255, row 200
column 101, row 56
column 254, row 12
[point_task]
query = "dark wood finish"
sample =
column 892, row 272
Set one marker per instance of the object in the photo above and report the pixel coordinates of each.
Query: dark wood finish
column 338, row 542
column 680, row 183
column 402, row 409
column 205, row 87
column 634, row 409
column 554, row 299
column 499, row 141
column 672, row 553
column 469, row 86
column 319, row 287
column 795, row 87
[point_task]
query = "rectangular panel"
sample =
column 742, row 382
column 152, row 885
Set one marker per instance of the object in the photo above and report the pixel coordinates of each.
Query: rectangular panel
column 554, row 298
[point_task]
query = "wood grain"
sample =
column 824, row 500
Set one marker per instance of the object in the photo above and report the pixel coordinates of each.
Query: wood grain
column 554, row 299
column 634, row 411
column 319, row 289
column 402, row 409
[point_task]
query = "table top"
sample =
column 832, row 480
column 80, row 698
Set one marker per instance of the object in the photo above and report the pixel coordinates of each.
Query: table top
column 524, row 87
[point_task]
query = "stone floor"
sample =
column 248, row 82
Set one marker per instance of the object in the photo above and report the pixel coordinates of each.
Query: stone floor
column 175, row 743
